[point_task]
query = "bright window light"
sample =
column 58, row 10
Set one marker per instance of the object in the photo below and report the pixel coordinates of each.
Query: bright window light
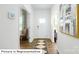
column 21, row 23
column 42, row 20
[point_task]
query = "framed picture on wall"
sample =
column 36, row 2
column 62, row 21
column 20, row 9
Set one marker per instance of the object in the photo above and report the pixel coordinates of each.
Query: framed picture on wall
column 11, row 14
column 67, row 28
column 69, row 19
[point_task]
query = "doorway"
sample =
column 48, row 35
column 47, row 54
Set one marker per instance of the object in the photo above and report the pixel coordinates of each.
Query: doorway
column 23, row 27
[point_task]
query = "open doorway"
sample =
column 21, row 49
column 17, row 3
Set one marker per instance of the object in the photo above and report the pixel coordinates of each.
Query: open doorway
column 23, row 27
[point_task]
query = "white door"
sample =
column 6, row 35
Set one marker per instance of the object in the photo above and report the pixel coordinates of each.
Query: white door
column 43, row 28
column 42, row 24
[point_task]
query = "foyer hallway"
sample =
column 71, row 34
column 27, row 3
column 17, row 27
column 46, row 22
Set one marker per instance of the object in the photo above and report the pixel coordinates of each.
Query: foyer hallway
column 23, row 24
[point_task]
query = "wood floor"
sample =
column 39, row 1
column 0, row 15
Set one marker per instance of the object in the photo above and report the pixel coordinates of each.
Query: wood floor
column 51, row 46
column 25, row 45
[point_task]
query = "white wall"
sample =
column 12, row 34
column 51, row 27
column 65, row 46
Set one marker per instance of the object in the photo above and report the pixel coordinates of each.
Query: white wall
column 68, row 44
column 9, row 29
column 9, row 34
column 44, row 30
column 29, row 21
column 54, row 19
column 65, row 43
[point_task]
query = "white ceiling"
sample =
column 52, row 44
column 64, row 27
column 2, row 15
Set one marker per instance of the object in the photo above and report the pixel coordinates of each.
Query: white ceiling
column 41, row 6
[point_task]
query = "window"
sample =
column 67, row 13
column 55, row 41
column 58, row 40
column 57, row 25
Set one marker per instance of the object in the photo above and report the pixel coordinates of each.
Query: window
column 42, row 20
column 21, row 23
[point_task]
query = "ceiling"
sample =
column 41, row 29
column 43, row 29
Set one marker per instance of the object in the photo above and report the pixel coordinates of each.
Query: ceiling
column 41, row 6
